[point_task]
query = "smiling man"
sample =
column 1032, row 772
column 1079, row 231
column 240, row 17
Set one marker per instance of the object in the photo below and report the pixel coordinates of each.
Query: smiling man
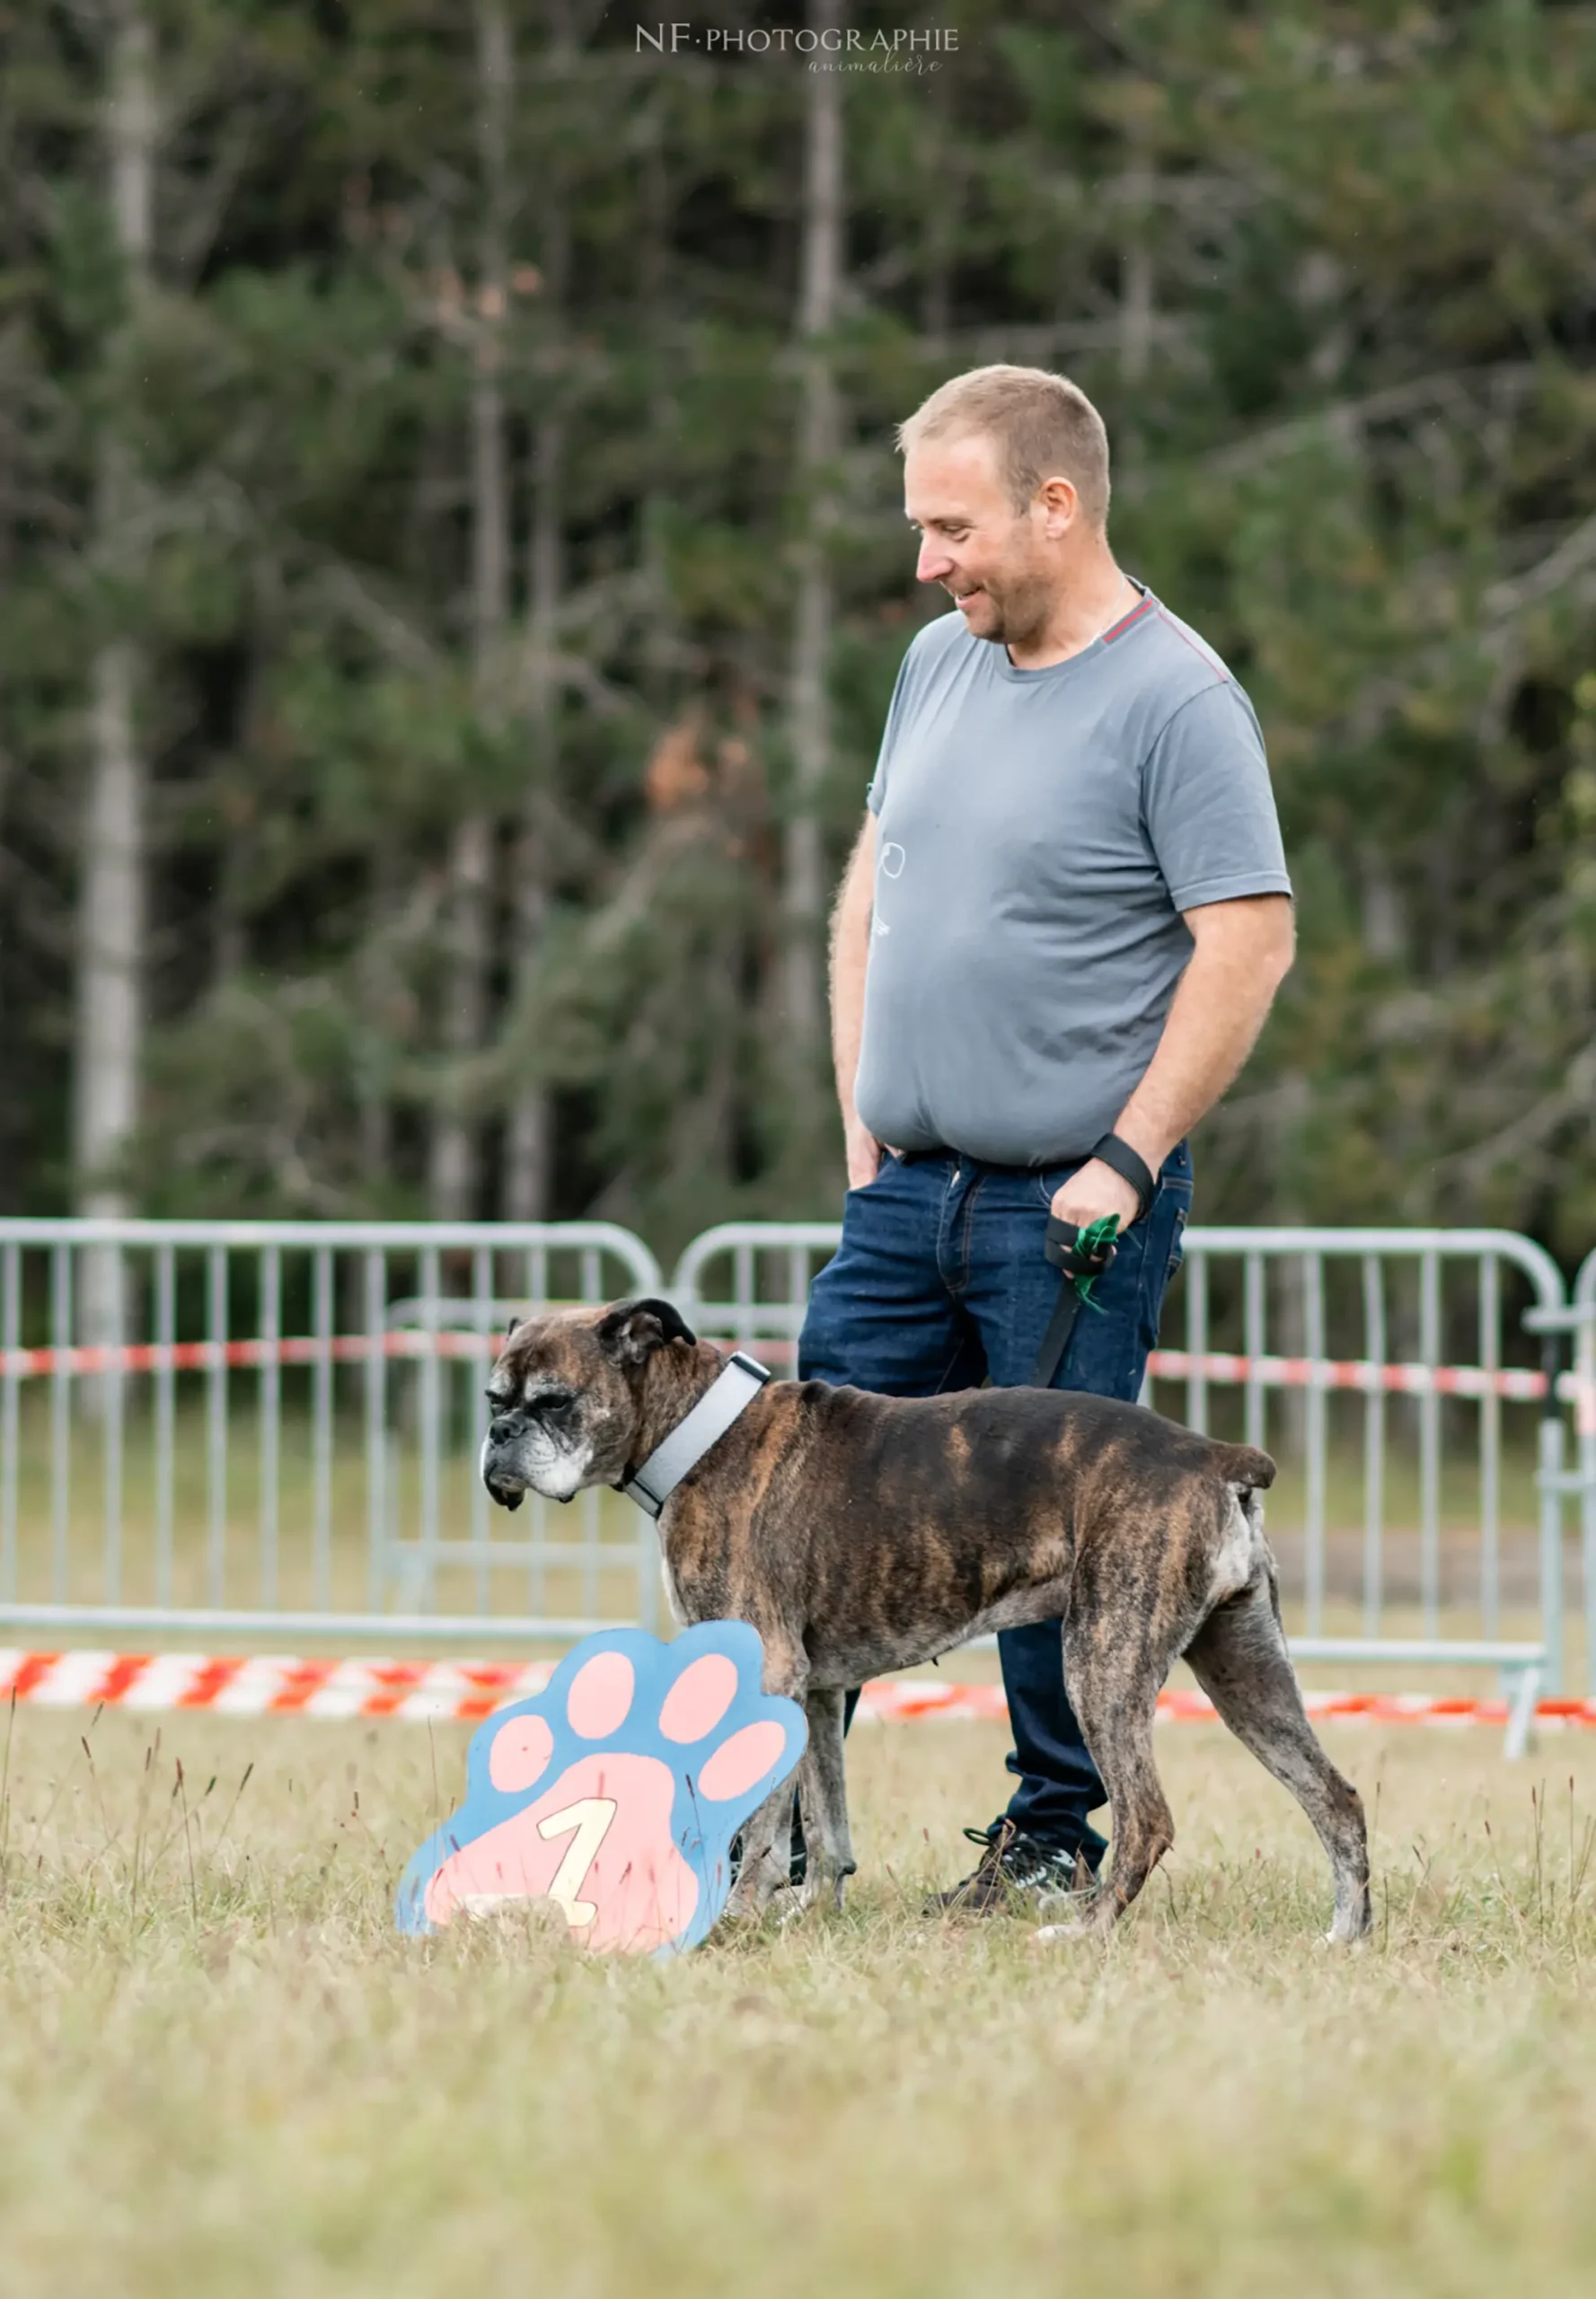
column 1058, row 937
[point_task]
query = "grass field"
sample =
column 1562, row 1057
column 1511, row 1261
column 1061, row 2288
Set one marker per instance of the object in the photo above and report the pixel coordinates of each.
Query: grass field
column 221, row 2073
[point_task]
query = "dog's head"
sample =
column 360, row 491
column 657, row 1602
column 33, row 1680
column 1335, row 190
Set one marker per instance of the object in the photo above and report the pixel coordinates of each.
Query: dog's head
column 567, row 1397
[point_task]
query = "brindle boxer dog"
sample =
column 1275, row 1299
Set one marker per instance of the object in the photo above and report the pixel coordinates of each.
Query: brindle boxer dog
column 859, row 1533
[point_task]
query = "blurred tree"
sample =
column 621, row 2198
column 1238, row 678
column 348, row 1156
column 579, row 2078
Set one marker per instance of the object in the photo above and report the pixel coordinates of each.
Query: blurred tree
column 112, row 894
column 800, row 1016
column 478, row 312
column 509, row 573
column 111, row 935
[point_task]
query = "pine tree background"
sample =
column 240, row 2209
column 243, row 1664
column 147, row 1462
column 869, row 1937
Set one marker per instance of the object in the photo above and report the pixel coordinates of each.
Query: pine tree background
column 480, row 492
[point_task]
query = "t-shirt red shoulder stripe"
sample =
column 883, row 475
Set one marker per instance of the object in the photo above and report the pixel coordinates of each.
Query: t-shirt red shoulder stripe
column 1202, row 653
column 1141, row 607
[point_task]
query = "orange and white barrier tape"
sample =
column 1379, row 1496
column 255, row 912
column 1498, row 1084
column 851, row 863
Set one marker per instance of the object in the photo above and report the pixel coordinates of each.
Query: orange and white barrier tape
column 264, row 1685
column 909, row 1699
column 465, row 1691
column 1515, row 1382
column 206, row 1356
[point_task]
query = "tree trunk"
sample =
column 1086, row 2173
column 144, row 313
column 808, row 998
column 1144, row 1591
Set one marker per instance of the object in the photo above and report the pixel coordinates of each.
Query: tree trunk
column 529, row 1148
column 457, row 1141
column 1137, row 188
column 942, row 215
column 1381, row 903
column 661, row 653
column 377, row 997
column 529, row 1144
column 809, row 708
column 1135, row 272
column 110, row 934
column 111, row 916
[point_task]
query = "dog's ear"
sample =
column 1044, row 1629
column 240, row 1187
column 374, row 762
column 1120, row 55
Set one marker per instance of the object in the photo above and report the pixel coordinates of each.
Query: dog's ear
column 632, row 1330
column 510, row 1328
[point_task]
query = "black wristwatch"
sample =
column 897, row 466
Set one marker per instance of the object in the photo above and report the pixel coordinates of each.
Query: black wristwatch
column 1131, row 1167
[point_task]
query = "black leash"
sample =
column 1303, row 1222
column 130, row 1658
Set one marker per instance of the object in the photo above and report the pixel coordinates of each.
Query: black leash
column 1081, row 1256
column 1078, row 1266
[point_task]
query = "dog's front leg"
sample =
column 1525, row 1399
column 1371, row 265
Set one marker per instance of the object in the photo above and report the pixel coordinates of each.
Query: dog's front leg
column 767, row 1853
column 823, row 1799
column 766, row 1862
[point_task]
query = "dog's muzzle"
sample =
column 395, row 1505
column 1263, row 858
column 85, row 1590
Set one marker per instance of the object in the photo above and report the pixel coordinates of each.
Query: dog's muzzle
column 519, row 1458
column 507, row 1496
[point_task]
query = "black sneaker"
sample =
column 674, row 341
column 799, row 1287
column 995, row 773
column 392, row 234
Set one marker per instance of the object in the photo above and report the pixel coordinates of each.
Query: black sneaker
column 1013, row 1870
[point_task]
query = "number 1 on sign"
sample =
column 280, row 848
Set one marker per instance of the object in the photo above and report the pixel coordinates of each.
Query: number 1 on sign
column 586, row 1823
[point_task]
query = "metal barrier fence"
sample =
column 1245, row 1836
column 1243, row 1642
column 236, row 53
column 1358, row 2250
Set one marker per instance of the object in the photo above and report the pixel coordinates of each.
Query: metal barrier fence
column 1580, row 1483
column 273, row 1427
column 1378, row 1364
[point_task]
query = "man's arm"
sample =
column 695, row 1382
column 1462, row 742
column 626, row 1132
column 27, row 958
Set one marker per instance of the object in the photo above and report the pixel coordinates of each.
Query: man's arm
column 849, row 955
column 1243, row 953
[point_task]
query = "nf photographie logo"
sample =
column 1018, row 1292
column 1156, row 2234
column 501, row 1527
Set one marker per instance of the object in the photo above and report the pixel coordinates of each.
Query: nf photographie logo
column 858, row 51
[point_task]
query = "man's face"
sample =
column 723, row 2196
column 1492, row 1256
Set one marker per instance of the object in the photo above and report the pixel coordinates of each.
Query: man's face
column 990, row 559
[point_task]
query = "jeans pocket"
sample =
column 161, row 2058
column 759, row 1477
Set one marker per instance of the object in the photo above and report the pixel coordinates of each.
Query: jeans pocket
column 1177, row 1240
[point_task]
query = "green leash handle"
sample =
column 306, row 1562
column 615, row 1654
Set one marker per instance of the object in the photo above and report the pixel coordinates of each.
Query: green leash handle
column 1080, row 1256
column 1083, row 1255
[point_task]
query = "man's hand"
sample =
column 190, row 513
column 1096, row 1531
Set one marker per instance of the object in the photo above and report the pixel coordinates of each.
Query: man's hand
column 864, row 1153
column 1096, row 1190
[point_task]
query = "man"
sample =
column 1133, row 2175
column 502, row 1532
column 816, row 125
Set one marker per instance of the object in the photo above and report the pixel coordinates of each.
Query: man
column 1062, row 927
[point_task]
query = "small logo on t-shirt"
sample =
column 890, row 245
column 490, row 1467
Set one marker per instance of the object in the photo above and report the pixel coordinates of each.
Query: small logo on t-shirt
column 889, row 864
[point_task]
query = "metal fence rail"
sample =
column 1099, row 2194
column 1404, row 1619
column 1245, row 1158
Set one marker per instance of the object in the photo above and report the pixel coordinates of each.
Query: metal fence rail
column 1384, row 1356
column 1580, row 1482
column 279, row 1420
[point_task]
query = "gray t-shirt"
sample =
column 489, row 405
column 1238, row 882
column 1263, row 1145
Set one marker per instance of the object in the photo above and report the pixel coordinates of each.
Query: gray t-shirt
column 1039, row 834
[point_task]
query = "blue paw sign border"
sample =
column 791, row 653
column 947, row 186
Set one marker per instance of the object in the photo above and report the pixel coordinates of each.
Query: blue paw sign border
column 614, row 1793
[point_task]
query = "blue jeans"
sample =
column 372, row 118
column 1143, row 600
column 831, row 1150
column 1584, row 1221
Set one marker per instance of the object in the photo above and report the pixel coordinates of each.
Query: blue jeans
column 940, row 1281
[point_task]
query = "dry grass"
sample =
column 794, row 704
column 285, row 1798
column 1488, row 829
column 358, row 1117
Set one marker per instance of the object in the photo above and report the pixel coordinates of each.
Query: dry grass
column 220, row 2073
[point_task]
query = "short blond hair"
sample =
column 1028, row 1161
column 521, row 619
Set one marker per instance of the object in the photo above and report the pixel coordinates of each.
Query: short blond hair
column 1043, row 425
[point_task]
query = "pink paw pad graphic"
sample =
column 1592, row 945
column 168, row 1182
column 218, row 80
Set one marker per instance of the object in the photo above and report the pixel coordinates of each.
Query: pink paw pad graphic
column 614, row 1794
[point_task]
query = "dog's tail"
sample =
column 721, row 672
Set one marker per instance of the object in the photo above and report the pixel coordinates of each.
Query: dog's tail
column 1246, row 1466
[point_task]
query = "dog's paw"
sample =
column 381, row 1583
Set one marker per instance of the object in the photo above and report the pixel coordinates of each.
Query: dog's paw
column 783, row 1905
column 1049, row 1936
column 614, row 1794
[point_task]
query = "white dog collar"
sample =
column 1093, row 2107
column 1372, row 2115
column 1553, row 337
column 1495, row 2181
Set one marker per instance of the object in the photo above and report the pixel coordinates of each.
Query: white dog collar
column 737, row 1384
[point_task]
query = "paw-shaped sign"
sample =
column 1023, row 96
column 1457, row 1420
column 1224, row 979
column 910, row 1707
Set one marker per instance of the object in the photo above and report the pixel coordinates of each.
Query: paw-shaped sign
column 615, row 1793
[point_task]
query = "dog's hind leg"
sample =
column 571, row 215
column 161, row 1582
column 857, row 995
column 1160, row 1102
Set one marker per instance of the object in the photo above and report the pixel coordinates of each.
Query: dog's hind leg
column 1239, row 1658
column 822, row 1796
column 1114, row 1694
